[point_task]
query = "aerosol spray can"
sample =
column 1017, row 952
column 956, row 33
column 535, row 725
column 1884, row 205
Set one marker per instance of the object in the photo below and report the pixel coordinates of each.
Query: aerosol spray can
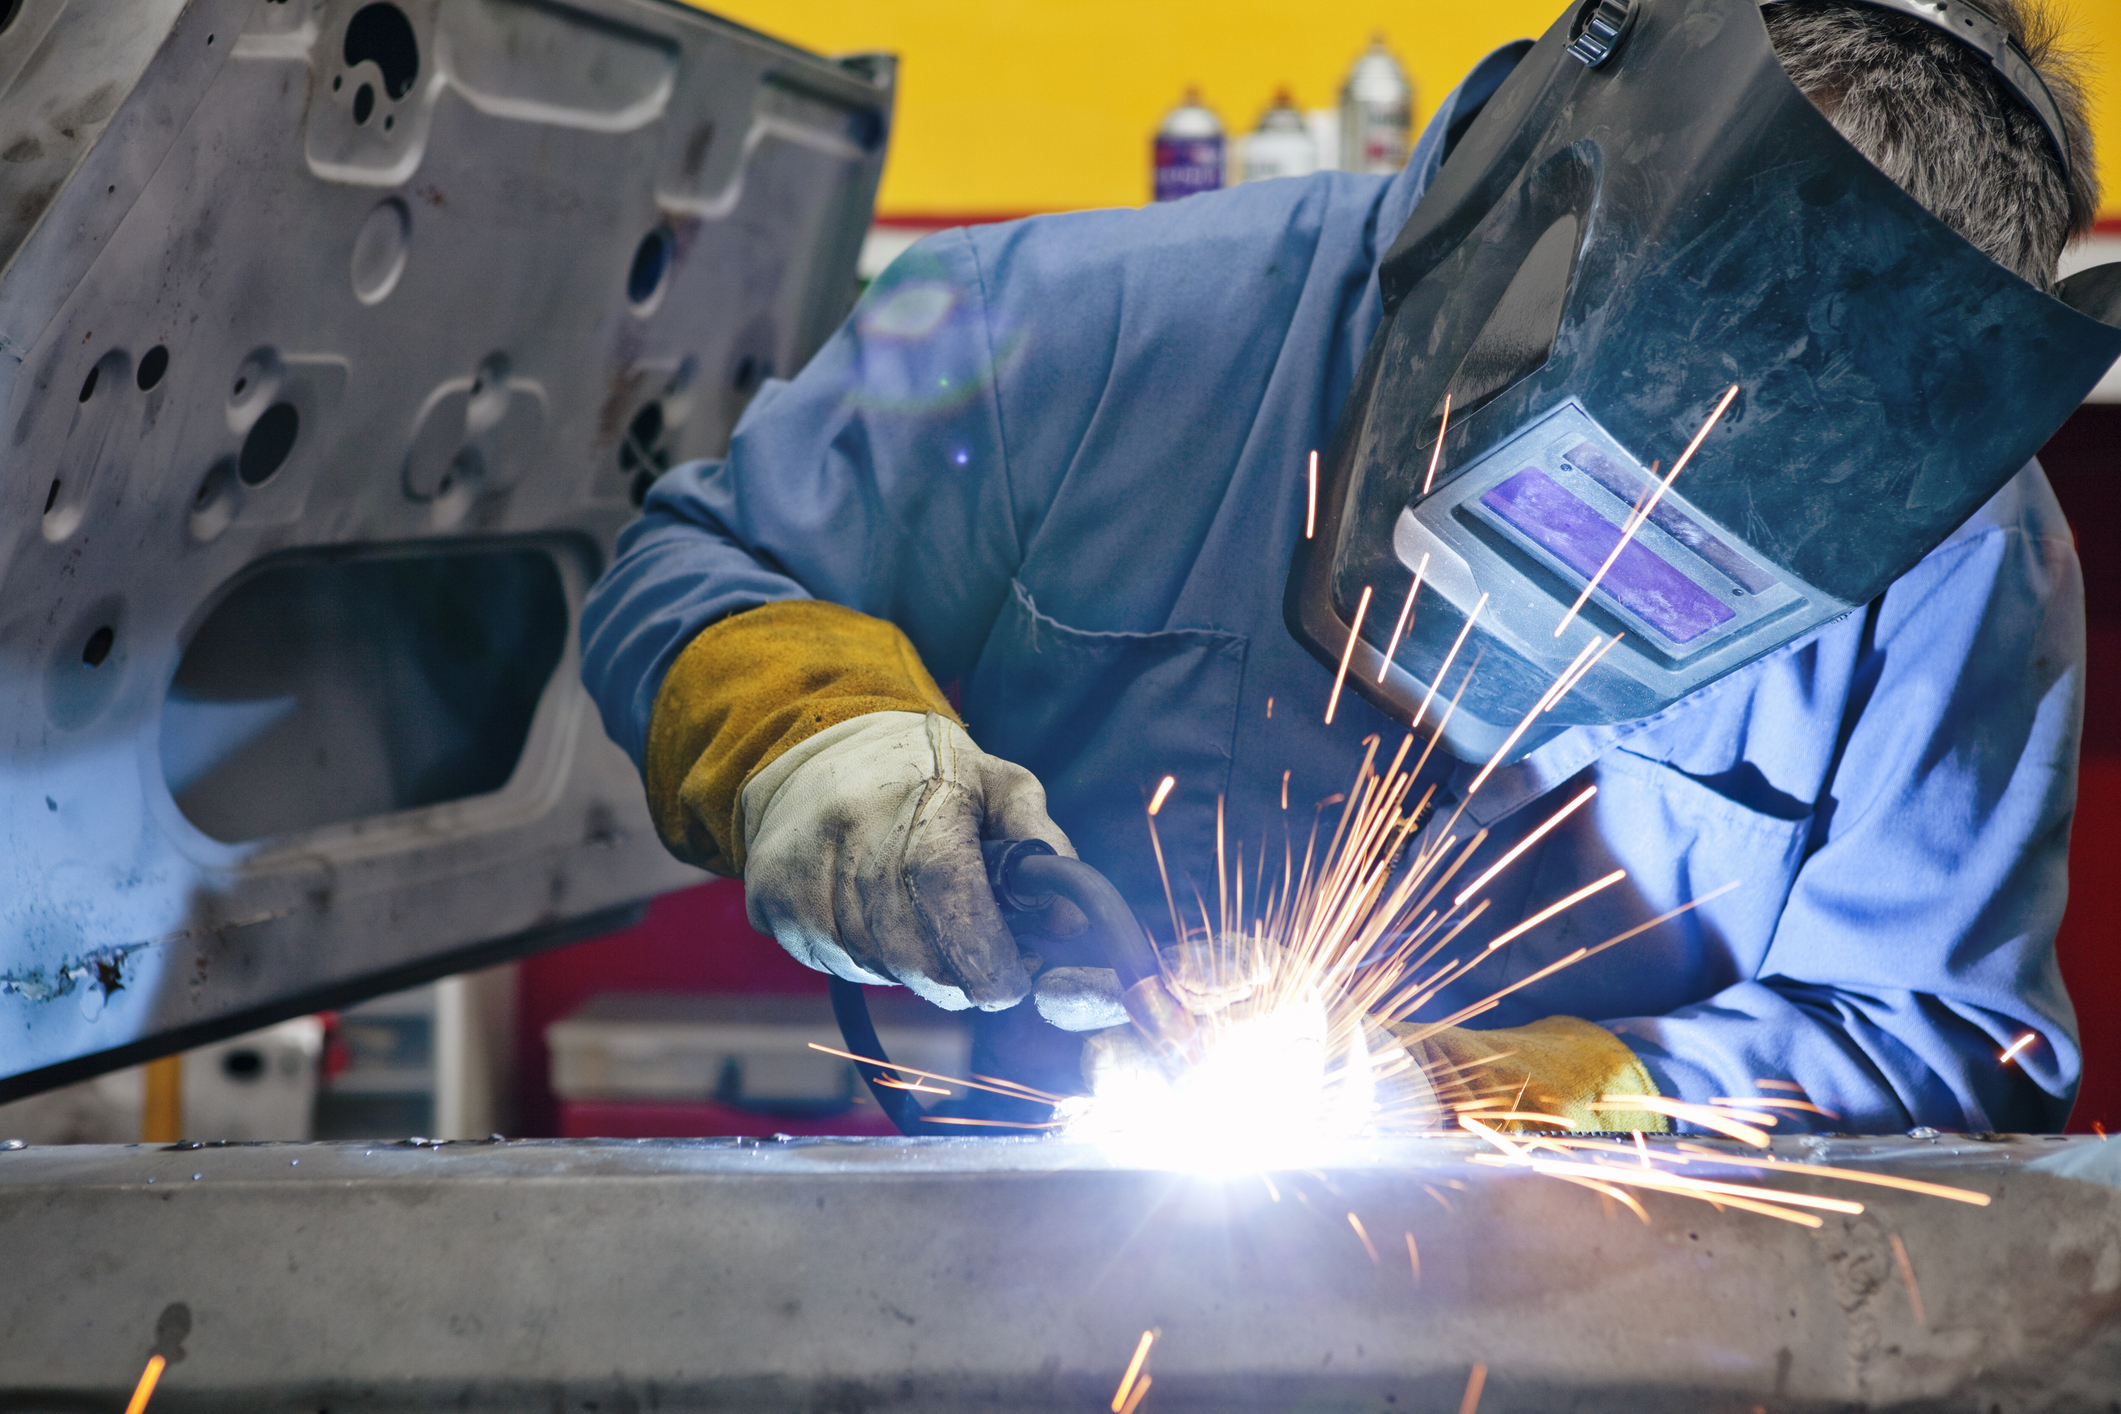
column 1376, row 113
column 1188, row 151
column 1281, row 146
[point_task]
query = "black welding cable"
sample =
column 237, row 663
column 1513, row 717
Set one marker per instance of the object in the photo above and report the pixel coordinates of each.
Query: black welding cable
column 1025, row 875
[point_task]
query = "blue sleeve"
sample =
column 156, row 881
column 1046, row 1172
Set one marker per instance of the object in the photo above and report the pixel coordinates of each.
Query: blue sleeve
column 1916, row 943
column 873, row 479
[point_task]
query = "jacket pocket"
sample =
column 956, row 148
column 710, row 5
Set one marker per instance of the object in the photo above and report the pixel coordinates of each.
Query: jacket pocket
column 1100, row 718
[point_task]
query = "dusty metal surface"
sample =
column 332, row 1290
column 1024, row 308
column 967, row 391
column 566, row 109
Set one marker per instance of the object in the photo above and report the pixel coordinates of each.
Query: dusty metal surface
column 336, row 340
column 931, row 1275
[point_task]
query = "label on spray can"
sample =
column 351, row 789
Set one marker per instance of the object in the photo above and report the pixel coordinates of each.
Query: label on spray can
column 1187, row 155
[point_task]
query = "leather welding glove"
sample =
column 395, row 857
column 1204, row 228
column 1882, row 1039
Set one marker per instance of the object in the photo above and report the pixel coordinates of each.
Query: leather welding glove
column 804, row 746
column 1555, row 1066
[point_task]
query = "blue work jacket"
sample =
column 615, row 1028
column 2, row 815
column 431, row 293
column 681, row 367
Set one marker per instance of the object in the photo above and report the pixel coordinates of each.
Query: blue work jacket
column 1067, row 456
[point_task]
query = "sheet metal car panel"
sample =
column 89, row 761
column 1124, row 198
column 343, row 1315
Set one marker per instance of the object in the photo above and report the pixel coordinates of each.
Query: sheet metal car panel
column 337, row 340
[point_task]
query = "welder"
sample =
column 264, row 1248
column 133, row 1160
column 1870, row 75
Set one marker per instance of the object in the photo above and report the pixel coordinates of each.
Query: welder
column 1014, row 546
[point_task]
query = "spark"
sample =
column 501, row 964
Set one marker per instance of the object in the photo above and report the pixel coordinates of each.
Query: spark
column 1568, row 675
column 1285, row 790
column 912, row 1085
column 1735, row 1194
column 1790, row 1085
column 1406, row 613
column 1163, row 789
column 1347, row 654
column 1436, row 456
column 1474, row 1383
column 1013, row 1091
column 1780, row 1104
column 1141, row 1392
column 144, row 1391
column 1558, row 906
column 1134, row 1369
column 1270, row 709
column 1529, row 840
column 2016, row 1046
column 1311, row 498
column 1703, row 1115
column 1907, row 1277
column 1569, row 684
column 1642, row 512
column 1367, row 1245
column 1414, row 1258
column 1442, row 672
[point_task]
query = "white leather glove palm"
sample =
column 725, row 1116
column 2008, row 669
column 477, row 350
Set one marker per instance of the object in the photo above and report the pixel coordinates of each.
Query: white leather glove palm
column 862, row 856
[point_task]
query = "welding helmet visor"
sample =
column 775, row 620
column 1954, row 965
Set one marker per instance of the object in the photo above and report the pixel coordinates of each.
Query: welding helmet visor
column 1609, row 249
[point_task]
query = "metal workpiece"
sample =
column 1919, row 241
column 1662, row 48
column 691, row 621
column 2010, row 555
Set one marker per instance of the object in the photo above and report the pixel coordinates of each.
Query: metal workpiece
column 338, row 339
column 999, row 1275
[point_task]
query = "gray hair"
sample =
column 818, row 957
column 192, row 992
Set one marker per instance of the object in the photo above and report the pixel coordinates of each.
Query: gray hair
column 1927, row 111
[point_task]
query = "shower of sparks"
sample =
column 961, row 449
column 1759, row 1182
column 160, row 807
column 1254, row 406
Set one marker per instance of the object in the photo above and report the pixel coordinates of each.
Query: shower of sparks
column 1347, row 654
column 1326, row 960
column 1475, row 1382
column 1355, row 928
column 2016, row 1046
column 1134, row 1369
column 1311, row 498
column 144, row 1391
column 1406, row 615
column 1642, row 512
column 1436, row 457
column 1907, row 1278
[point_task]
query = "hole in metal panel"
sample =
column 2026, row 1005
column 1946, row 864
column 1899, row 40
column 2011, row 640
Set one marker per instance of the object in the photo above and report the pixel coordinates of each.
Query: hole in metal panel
column 382, row 33
column 322, row 691
column 364, row 103
column 153, row 364
column 88, row 384
column 651, row 261
column 51, row 497
column 98, row 646
column 268, row 443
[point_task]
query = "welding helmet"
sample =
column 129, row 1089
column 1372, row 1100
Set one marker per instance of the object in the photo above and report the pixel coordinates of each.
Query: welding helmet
column 1646, row 215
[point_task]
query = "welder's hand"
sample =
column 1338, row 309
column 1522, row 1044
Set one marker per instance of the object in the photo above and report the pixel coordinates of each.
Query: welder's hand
column 1557, row 1066
column 1204, row 978
column 862, row 856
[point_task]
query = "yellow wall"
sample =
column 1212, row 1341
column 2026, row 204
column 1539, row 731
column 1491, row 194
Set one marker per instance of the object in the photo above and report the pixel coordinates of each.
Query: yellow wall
column 1010, row 106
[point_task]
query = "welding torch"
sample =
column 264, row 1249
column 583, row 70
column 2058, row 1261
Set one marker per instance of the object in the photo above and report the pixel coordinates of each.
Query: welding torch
column 1027, row 876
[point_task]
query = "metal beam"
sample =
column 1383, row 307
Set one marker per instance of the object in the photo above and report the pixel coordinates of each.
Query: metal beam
column 930, row 1275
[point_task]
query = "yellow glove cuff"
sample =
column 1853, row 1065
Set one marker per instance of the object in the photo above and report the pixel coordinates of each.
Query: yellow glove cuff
column 1556, row 1066
column 750, row 687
